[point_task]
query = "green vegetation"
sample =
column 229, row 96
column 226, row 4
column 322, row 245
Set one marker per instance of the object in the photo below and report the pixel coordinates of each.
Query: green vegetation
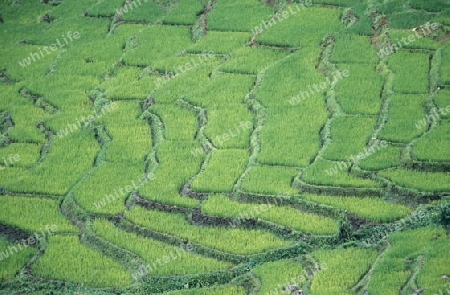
column 404, row 112
column 269, row 180
column 286, row 216
column 316, row 23
column 156, row 42
column 229, row 128
column 179, row 123
column 392, row 6
column 345, row 130
column 351, row 48
column 95, row 28
column 79, row 264
column 182, row 262
column 283, row 141
column 388, row 157
column 338, row 2
column 33, row 214
column 365, row 98
column 174, row 156
column 52, row 176
column 442, row 100
column 217, row 95
column 239, row 241
column 29, row 154
column 237, row 15
column 11, row 261
column 284, row 130
column 276, row 275
column 393, row 271
column 251, row 60
column 105, row 8
column 445, row 67
column 127, row 84
column 327, row 173
column 436, row 141
column 220, row 42
column 147, row 12
column 422, row 43
column 229, row 290
column 344, row 269
column 22, row 14
column 24, row 132
column 435, row 6
column 372, row 209
column 403, row 63
column 185, row 13
column 222, row 171
column 118, row 181
column 177, row 164
column 408, row 20
column 437, row 259
column 425, row 181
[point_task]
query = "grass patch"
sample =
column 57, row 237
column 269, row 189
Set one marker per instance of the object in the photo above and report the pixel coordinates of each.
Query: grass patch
column 149, row 250
column 316, row 23
column 351, row 48
column 230, row 128
column 238, row 15
column 251, row 60
column 373, row 209
column 408, row 20
column 34, row 214
column 227, row 290
column 52, row 177
column 437, row 261
column 286, row 216
column 424, row 181
column 270, row 180
column 404, row 112
column 274, row 274
column 434, row 6
column 403, row 63
column 239, row 241
column 222, row 171
column 117, row 180
column 422, row 43
column 284, row 130
column 177, row 164
column 29, row 153
column 157, row 42
column 345, row 130
column 13, row 262
column 131, row 135
column 105, row 8
column 127, row 84
column 317, row 174
column 442, row 100
column 220, row 42
column 388, row 157
column 344, row 269
column 179, row 124
column 433, row 146
column 393, row 271
column 445, row 66
column 148, row 12
column 364, row 99
column 66, row 259
column 185, row 13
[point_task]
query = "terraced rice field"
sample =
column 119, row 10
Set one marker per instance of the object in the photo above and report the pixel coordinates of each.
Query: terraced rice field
column 224, row 147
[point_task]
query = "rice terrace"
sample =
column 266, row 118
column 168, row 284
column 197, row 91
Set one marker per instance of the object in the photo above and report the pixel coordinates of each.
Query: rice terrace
column 229, row 147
